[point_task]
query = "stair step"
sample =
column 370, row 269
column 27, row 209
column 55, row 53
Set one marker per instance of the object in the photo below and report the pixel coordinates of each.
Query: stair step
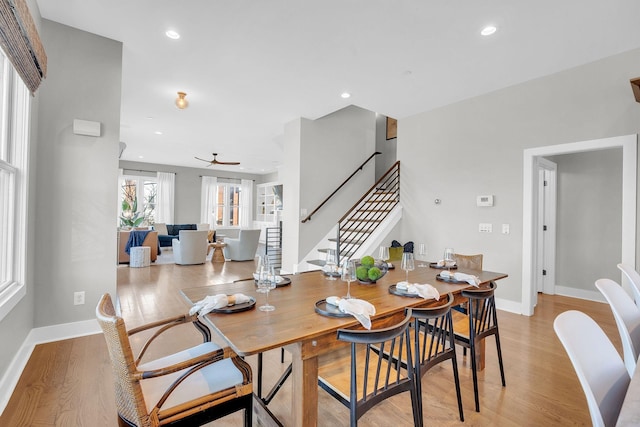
column 363, row 220
column 348, row 241
column 318, row 262
column 373, row 210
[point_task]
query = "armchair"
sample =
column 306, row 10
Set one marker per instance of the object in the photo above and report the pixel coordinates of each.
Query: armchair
column 191, row 387
column 191, row 248
column 244, row 247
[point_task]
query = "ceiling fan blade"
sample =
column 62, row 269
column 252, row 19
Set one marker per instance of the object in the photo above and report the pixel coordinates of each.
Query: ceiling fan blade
column 208, row 161
column 226, row 163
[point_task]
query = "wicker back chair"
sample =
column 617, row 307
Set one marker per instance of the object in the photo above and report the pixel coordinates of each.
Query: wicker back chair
column 191, row 387
column 473, row 262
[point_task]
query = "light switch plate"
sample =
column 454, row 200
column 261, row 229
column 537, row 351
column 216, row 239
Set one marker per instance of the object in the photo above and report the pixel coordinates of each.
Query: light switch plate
column 485, row 228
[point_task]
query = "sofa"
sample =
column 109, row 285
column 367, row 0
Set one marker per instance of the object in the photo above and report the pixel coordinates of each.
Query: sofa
column 168, row 232
column 151, row 240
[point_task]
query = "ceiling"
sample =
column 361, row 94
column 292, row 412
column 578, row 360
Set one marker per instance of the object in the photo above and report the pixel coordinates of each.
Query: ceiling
column 250, row 66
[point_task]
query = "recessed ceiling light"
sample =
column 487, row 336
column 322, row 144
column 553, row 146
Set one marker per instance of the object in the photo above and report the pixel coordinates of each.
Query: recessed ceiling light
column 141, row 157
column 488, row 30
column 172, row 34
column 158, row 132
column 345, row 95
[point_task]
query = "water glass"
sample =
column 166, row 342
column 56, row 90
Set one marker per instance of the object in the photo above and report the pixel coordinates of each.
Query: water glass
column 407, row 264
column 348, row 275
column 331, row 264
column 422, row 253
column 267, row 282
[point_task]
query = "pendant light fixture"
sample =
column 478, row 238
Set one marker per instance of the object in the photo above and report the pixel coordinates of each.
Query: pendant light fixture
column 181, row 102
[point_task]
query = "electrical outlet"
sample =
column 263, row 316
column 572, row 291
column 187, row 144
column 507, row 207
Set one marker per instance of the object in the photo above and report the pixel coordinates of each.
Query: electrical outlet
column 78, row 298
column 505, row 229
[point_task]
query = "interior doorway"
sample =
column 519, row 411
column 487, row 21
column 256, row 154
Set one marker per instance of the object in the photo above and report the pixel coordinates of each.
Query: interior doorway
column 530, row 252
column 545, row 227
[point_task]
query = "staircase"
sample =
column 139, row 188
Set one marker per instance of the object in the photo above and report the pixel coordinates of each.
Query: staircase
column 364, row 218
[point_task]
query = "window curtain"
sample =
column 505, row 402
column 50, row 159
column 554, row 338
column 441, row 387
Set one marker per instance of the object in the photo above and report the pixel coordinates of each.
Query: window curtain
column 164, row 204
column 246, row 203
column 20, row 41
column 208, row 201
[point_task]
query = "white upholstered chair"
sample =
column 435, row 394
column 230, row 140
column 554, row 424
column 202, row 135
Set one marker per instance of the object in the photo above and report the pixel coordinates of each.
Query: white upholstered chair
column 627, row 317
column 191, row 248
column 602, row 373
column 244, row 247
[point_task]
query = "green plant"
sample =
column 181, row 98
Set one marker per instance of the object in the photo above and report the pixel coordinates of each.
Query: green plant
column 130, row 216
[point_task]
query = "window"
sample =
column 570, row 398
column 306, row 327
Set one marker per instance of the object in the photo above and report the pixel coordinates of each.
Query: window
column 138, row 197
column 14, row 146
column 228, row 205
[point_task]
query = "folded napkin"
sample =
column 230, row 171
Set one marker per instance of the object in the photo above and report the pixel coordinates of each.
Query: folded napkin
column 443, row 263
column 256, row 276
column 212, row 302
column 461, row 277
column 426, row 291
column 360, row 309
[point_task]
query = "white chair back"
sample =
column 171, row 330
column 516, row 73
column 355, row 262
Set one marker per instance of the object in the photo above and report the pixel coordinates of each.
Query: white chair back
column 602, row 373
column 627, row 316
column 191, row 248
column 634, row 278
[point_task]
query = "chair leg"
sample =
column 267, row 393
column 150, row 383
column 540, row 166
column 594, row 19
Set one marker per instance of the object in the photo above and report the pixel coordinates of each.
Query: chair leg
column 474, row 370
column 456, row 378
column 248, row 412
column 416, row 402
column 500, row 358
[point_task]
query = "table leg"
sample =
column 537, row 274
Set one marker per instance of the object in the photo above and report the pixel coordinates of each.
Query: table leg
column 304, row 394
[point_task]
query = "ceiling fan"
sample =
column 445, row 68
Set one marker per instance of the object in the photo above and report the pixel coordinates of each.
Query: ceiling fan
column 216, row 162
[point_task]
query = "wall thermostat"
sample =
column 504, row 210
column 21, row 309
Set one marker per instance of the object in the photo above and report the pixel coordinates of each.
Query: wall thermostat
column 484, row 200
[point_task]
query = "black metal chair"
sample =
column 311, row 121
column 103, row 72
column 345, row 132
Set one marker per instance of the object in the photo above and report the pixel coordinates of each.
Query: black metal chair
column 434, row 344
column 482, row 322
column 374, row 376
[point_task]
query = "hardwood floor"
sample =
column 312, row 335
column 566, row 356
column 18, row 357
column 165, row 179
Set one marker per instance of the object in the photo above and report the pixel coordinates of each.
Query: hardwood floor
column 68, row 383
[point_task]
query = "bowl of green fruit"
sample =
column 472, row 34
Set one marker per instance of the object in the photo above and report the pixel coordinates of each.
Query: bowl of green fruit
column 369, row 270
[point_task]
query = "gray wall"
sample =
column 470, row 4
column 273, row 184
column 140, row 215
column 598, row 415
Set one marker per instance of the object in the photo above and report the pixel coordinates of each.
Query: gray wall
column 589, row 217
column 475, row 147
column 385, row 146
column 188, row 185
column 76, row 175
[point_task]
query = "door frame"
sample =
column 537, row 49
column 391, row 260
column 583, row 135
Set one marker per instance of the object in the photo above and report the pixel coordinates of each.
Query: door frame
column 628, row 143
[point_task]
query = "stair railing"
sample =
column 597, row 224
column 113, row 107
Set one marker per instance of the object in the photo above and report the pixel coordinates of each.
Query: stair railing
column 367, row 213
column 358, row 169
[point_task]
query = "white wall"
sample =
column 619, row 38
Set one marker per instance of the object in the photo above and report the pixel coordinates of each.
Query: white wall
column 475, row 147
column 76, row 175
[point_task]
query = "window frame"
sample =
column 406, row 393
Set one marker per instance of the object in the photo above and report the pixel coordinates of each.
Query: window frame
column 140, row 194
column 15, row 118
column 226, row 205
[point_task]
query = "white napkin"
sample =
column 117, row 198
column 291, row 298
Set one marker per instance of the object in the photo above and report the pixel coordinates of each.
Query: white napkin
column 426, row 291
column 256, row 276
column 462, row 277
column 360, row 309
column 443, row 263
column 212, row 302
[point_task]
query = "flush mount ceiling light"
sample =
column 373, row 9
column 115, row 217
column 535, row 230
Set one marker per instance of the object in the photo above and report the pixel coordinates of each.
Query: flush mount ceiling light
column 345, row 95
column 488, row 30
column 181, row 102
column 172, row 34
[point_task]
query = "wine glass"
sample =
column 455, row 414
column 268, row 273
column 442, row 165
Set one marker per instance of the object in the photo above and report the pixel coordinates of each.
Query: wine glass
column 267, row 282
column 422, row 253
column 348, row 275
column 448, row 258
column 407, row 264
column 330, row 264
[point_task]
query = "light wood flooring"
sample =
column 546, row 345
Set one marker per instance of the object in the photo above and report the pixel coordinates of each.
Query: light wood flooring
column 68, row 383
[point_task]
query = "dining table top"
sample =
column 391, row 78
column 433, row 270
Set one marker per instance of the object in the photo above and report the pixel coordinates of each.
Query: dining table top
column 295, row 319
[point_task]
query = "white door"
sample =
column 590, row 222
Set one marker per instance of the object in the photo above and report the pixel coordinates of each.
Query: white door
column 544, row 270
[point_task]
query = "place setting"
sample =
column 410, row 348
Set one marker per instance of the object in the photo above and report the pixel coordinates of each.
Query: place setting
column 222, row 303
column 412, row 290
column 448, row 261
column 347, row 306
column 264, row 270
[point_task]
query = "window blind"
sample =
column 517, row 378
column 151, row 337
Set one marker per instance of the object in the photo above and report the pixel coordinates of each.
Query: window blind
column 21, row 43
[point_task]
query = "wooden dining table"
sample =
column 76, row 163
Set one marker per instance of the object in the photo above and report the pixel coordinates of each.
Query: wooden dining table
column 296, row 326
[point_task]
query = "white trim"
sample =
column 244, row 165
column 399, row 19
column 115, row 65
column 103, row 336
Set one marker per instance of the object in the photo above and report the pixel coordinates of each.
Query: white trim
column 580, row 293
column 629, row 195
column 39, row 336
column 508, row 305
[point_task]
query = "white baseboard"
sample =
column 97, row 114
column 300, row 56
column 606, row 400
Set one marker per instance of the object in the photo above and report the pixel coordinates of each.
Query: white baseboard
column 580, row 293
column 37, row 336
column 508, row 305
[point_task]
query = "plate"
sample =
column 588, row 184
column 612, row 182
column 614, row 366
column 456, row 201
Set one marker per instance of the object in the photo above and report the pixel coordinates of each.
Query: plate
column 393, row 289
column 284, row 281
column 435, row 265
column 449, row 280
column 236, row 308
column 326, row 309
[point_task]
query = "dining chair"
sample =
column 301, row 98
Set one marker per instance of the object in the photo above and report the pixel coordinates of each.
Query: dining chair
column 472, row 262
column 600, row 370
column 480, row 322
column 433, row 344
column 634, row 278
column 373, row 375
column 627, row 316
column 188, row 388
